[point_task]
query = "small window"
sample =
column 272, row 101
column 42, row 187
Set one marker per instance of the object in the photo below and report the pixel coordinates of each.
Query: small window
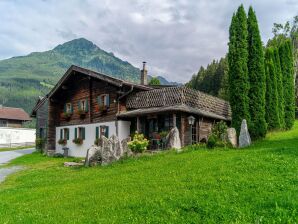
column 103, row 100
column 80, row 133
column 83, row 105
column 68, row 108
column 102, row 131
column 64, row 133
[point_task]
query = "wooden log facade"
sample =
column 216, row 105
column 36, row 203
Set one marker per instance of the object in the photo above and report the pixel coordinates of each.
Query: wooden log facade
column 144, row 108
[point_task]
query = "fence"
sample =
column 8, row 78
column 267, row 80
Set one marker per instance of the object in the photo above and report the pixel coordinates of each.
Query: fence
column 15, row 137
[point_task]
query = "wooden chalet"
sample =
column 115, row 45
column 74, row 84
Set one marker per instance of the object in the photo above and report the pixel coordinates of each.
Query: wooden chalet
column 85, row 105
column 13, row 117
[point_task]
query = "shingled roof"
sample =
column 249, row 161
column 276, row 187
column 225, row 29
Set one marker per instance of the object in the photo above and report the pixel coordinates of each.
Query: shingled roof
column 177, row 99
column 12, row 113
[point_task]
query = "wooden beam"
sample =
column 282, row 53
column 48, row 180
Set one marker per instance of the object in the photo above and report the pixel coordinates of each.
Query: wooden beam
column 174, row 120
column 138, row 124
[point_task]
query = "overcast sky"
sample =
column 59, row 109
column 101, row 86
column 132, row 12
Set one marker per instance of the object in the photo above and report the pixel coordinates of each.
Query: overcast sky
column 175, row 37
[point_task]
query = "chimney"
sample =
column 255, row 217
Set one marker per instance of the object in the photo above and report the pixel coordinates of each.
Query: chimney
column 144, row 75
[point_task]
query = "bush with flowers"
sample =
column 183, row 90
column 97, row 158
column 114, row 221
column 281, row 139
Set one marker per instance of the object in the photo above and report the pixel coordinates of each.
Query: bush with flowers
column 139, row 144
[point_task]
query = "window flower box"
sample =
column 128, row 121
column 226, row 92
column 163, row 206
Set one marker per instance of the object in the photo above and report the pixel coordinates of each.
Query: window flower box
column 62, row 141
column 82, row 113
column 66, row 115
column 78, row 141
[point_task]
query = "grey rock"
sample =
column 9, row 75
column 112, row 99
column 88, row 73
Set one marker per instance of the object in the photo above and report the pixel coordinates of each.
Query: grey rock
column 244, row 137
column 232, row 136
column 72, row 164
column 108, row 151
column 173, row 139
column 93, row 156
column 126, row 150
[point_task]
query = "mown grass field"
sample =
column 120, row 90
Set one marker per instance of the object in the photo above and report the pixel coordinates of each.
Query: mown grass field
column 254, row 185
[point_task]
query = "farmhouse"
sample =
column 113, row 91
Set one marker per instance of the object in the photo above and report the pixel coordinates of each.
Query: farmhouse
column 12, row 117
column 85, row 105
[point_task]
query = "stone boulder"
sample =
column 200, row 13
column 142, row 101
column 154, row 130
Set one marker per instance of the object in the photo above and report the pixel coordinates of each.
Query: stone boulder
column 126, row 150
column 173, row 139
column 93, row 156
column 232, row 136
column 244, row 137
column 108, row 151
column 72, row 164
column 111, row 150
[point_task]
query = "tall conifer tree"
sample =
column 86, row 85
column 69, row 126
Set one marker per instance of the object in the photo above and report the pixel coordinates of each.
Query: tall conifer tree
column 257, row 78
column 272, row 113
column 238, row 72
column 287, row 67
column 280, row 88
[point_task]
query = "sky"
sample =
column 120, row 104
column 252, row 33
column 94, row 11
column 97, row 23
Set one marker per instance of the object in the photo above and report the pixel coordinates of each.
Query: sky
column 174, row 37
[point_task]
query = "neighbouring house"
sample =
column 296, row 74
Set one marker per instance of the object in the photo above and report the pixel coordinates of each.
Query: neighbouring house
column 85, row 105
column 13, row 117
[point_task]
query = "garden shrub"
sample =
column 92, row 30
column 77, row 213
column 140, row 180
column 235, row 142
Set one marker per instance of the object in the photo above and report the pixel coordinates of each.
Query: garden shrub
column 220, row 130
column 39, row 142
column 139, row 143
column 212, row 140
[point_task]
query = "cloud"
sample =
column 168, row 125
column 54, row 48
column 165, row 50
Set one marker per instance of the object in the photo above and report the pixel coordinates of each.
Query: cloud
column 175, row 37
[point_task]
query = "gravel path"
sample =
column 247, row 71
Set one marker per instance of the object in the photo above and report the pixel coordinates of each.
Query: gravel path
column 5, row 157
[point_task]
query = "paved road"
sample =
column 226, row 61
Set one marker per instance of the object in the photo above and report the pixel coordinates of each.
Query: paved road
column 5, row 157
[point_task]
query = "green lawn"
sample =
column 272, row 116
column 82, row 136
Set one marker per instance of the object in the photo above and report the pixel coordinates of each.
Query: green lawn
column 254, row 185
column 16, row 148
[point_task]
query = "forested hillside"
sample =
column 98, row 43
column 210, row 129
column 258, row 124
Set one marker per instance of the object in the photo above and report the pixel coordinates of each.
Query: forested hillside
column 23, row 79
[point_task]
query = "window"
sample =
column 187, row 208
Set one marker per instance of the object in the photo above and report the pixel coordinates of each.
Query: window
column 83, row 105
column 64, row 133
column 103, row 100
column 68, row 108
column 194, row 133
column 102, row 131
column 80, row 133
column 3, row 123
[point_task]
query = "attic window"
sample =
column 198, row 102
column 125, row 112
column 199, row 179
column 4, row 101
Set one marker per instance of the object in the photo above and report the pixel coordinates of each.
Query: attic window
column 83, row 105
column 68, row 108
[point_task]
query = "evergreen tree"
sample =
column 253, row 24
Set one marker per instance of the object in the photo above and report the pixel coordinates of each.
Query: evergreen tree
column 238, row 72
column 257, row 78
column 280, row 88
column 272, row 113
column 287, row 67
column 154, row 81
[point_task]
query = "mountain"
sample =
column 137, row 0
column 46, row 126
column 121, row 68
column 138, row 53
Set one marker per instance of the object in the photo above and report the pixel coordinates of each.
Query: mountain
column 24, row 78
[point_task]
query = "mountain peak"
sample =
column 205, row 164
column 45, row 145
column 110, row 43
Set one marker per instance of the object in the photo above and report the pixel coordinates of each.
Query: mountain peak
column 80, row 44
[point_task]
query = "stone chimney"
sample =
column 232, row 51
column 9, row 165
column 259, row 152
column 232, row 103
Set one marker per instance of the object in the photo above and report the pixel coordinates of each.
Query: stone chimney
column 144, row 80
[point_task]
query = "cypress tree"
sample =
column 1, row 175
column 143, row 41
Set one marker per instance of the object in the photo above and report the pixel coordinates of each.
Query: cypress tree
column 257, row 78
column 280, row 88
column 287, row 67
column 272, row 113
column 238, row 72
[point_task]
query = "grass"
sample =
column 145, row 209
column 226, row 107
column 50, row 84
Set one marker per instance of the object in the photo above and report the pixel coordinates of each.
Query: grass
column 16, row 148
column 253, row 185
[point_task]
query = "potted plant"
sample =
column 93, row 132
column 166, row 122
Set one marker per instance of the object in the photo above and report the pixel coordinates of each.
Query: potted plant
column 163, row 136
column 62, row 141
column 82, row 113
column 78, row 141
column 66, row 115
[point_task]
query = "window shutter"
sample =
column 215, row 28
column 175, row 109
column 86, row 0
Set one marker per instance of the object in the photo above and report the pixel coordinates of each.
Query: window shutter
column 86, row 105
column 83, row 133
column 107, row 131
column 97, row 132
column 64, row 109
column 79, row 105
column 71, row 108
column 67, row 133
column 76, row 133
column 61, row 133
column 107, row 100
